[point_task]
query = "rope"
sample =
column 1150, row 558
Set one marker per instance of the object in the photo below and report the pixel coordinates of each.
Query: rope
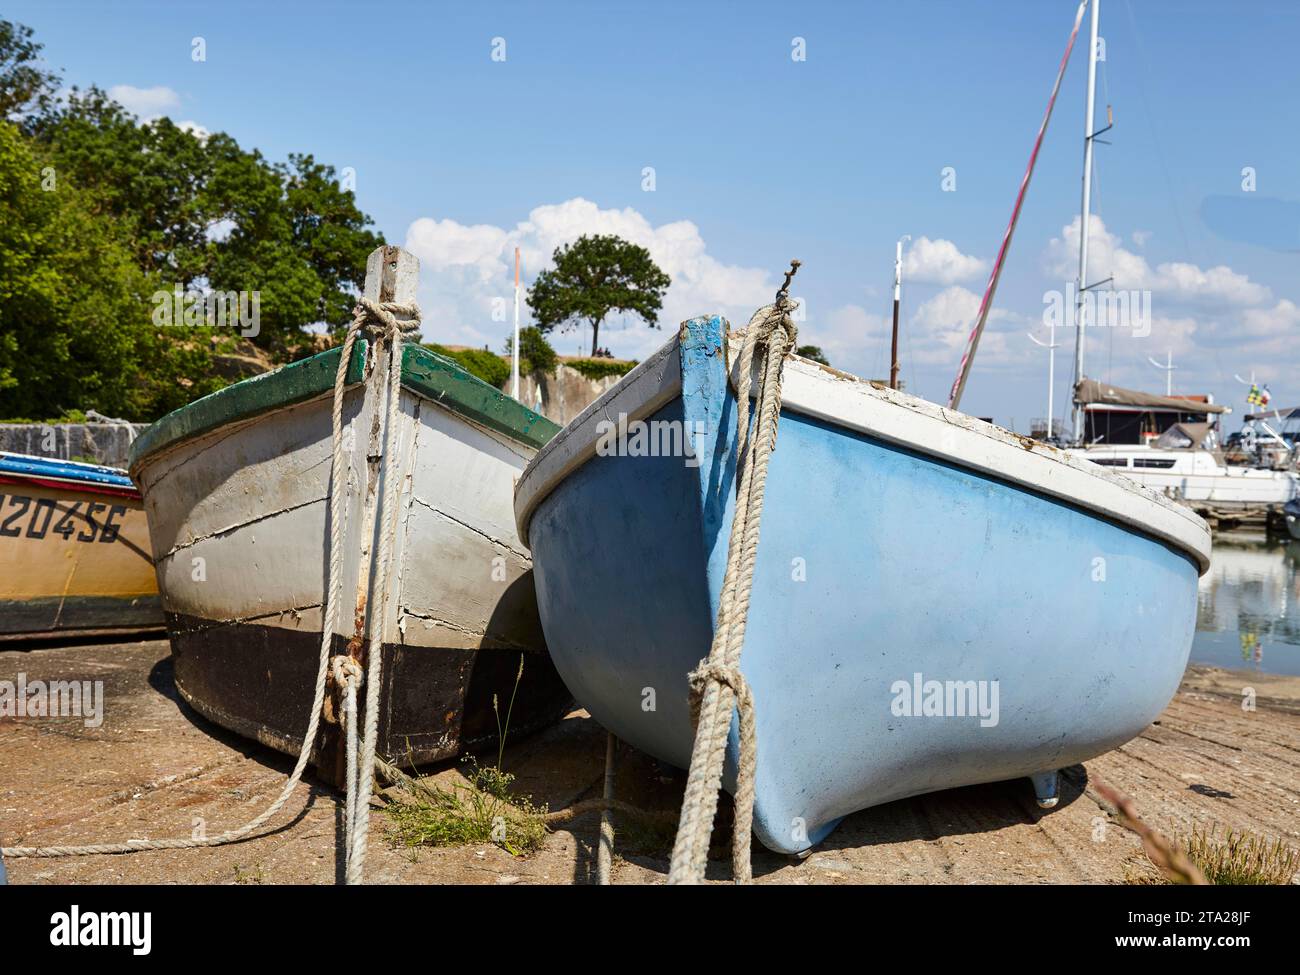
column 365, row 315
column 363, row 780
column 605, row 849
column 717, row 684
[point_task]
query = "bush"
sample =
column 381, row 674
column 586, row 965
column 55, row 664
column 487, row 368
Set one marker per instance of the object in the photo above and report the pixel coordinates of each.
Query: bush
column 600, row 368
column 535, row 353
column 487, row 366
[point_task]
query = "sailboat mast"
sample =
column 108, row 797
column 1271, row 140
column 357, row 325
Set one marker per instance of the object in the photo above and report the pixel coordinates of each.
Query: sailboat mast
column 898, row 293
column 1085, row 215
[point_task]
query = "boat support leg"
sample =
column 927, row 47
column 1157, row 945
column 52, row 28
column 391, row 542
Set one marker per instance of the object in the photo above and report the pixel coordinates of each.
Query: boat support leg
column 1047, row 788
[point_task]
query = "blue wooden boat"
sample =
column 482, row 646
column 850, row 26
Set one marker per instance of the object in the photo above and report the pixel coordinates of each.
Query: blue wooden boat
column 937, row 602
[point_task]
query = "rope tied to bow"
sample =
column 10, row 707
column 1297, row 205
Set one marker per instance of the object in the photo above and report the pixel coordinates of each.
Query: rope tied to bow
column 717, row 684
column 380, row 322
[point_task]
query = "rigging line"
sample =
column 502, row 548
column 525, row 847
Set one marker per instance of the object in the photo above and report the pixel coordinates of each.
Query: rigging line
column 986, row 304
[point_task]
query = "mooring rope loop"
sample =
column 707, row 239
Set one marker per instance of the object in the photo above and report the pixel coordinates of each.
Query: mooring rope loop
column 378, row 320
column 717, row 684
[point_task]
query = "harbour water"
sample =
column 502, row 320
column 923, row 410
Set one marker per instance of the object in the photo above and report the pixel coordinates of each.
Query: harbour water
column 1248, row 606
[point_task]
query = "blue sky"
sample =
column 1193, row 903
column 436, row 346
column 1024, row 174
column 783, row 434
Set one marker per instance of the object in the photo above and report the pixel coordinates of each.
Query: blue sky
column 758, row 158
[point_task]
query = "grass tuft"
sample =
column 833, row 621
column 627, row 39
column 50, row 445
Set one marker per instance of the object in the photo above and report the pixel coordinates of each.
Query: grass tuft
column 483, row 810
column 1241, row 858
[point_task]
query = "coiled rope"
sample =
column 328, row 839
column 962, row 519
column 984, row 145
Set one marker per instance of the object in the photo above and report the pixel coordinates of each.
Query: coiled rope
column 717, row 684
column 379, row 320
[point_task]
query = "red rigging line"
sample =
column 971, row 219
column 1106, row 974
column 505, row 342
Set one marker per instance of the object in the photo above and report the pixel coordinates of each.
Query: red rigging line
column 973, row 341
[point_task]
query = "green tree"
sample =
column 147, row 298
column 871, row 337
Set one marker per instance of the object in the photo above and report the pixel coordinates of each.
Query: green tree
column 203, row 212
column 594, row 276
column 75, row 328
column 813, row 352
column 25, row 87
column 535, row 353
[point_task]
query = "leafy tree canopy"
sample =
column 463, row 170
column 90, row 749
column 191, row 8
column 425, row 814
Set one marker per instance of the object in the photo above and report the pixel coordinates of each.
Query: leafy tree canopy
column 75, row 328
column 25, row 86
column 99, row 212
column 594, row 276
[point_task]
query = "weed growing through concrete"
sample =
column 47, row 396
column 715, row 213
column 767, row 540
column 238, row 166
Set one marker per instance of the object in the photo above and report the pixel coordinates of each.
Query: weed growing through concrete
column 483, row 810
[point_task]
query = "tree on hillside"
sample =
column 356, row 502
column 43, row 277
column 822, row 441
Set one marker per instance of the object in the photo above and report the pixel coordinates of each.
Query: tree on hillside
column 204, row 212
column 75, row 328
column 25, row 87
column 594, row 276
column 99, row 212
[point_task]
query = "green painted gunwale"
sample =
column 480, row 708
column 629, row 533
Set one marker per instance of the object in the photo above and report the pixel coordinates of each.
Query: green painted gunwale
column 425, row 373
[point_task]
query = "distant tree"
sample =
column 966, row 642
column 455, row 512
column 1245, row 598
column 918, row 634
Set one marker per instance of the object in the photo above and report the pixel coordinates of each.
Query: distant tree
column 535, row 353
column 813, row 352
column 594, row 276
column 25, row 87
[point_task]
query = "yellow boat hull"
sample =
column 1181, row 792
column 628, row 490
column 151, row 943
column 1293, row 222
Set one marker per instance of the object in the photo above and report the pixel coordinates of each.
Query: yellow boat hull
column 73, row 562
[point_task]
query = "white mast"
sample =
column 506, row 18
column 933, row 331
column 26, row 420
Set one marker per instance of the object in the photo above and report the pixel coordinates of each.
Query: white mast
column 1168, row 367
column 1051, row 345
column 514, row 346
column 1086, row 209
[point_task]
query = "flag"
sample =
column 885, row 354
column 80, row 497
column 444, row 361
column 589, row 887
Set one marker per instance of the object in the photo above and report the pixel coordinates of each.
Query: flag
column 1253, row 397
column 1264, row 396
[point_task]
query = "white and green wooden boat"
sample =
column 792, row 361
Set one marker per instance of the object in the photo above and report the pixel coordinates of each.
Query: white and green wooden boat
column 236, row 489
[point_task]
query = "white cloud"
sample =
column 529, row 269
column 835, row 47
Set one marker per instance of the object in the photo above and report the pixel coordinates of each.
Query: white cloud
column 147, row 103
column 1172, row 282
column 932, row 338
column 464, row 267
column 193, row 128
column 939, row 262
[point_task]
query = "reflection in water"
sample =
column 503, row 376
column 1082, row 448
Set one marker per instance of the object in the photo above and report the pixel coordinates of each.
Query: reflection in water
column 1248, row 606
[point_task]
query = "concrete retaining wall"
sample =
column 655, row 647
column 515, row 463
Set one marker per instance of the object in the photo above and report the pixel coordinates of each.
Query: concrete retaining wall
column 93, row 443
column 563, row 394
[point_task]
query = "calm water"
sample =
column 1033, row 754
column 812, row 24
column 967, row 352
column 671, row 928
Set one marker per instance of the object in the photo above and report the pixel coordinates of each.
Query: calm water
column 1248, row 606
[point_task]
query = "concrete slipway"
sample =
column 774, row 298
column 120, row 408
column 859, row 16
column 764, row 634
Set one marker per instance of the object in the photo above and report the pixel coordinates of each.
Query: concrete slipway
column 154, row 766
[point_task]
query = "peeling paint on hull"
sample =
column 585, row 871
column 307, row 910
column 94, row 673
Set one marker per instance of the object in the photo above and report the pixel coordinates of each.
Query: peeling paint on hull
column 239, row 515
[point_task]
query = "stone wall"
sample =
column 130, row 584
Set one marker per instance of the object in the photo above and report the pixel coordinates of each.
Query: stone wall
column 93, row 443
column 563, row 394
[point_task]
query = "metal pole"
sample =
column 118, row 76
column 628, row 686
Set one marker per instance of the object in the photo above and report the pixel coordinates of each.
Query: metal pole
column 898, row 291
column 514, row 346
column 1051, row 377
column 1051, row 345
column 1085, row 214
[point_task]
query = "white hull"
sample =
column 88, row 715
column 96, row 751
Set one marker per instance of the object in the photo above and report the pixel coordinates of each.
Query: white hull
column 1195, row 476
column 238, row 523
